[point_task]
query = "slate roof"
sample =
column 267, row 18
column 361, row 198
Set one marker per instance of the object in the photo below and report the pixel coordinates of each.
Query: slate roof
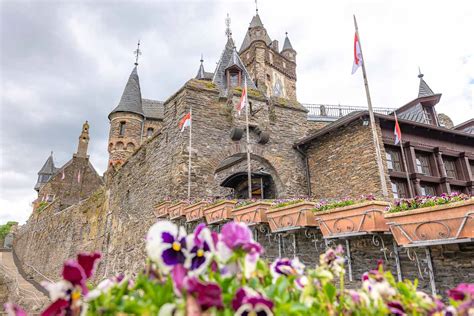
column 229, row 58
column 467, row 126
column 424, row 90
column 287, row 44
column 153, row 109
column 131, row 100
column 48, row 167
column 256, row 22
column 202, row 74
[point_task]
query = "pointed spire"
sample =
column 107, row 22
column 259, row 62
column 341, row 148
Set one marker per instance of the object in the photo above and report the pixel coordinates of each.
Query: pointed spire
column 424, row 90
column 287, row 43
column 83, row 141
column 131, row 100
column 228, row 31
column 250, row 36
column 201, row 72
column 46, row 172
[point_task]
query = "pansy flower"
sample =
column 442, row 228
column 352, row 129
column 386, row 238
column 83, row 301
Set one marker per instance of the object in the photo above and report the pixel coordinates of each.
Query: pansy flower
column 14, row 310
column 250, row 302
column 201, row 246
column 166, row 245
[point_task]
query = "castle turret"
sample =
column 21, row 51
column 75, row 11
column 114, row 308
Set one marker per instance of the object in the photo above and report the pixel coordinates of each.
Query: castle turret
column 83, row 141
column 46, row 172
column 287, row 50
column 126, row 122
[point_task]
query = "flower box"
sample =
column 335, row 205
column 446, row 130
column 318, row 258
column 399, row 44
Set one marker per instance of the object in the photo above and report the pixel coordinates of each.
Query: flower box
column 252, row 214
column 438, row 224
column 292, row 217
column 361, row 218
column 176, row 210
column 161, row 209
column 194, row 212
column 219, row 212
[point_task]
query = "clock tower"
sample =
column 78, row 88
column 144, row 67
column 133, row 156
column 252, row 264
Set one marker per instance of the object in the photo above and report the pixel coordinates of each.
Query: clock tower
column 273, row 71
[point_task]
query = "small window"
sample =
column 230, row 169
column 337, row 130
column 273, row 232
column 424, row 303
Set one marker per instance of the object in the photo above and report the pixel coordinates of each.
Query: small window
column 122, row 129
column 234, row 79
column 423, row 164
column 394, row 160
column 450, row 166
column 149, row 132
column 427, row 115
column 428, row 190
column 268, row 77
column 457, row 189
column 49, row 198
column 399, row 190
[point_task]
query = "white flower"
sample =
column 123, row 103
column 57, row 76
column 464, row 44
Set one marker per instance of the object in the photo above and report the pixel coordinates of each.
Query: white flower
column 58, row 290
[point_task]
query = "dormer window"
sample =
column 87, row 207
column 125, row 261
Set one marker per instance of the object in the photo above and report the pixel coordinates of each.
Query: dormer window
column 149, row 132
column 233, row 78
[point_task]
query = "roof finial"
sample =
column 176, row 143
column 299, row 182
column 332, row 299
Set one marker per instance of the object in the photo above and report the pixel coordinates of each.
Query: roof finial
column 228, row 32
column 420, row 75
column 286, row 34
column 51, row 153
column 256, row 7
column 137, row 53
column 202, row 58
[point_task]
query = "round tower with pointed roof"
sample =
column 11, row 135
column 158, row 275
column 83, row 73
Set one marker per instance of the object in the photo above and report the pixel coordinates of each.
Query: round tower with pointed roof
column 126, row 122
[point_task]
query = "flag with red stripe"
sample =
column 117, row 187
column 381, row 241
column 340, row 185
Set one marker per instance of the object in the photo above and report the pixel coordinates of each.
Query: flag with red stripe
column 185, row 122
column 243, row 99
column 357, row 54
column 397, row 131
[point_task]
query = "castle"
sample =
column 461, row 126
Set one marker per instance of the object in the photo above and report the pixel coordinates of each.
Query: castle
column 293, row 152
column 320, row 151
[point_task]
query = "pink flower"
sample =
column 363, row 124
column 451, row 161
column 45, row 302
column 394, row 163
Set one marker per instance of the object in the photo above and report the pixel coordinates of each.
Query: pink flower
column 14, row 310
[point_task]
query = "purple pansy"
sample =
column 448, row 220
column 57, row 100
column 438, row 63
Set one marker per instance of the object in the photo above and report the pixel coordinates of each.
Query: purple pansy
column 462, row 291
column 166, row 245
column 201, row 246
column 207, row 294
column 249, row 302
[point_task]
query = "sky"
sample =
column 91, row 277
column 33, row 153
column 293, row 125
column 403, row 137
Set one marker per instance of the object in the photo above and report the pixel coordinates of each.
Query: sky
column 64, row 62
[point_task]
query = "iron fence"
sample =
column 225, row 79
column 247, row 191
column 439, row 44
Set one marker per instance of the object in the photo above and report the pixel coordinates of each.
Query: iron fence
column 331, row 112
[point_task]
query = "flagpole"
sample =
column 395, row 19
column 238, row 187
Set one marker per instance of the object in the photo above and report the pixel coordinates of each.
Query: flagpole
column 405, row 166
column 190, row 150
column 249, row 171
column 372, row 120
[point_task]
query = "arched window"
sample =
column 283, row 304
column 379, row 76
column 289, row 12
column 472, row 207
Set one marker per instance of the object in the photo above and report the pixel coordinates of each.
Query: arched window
column 149, row 132
column 119, row 146
column 130, row 147
column 122, row 129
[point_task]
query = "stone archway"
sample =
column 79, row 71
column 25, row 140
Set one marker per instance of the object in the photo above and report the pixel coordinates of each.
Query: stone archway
column 232, row 178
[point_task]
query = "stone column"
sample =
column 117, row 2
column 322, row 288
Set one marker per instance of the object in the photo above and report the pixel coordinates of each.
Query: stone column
column 417, row 187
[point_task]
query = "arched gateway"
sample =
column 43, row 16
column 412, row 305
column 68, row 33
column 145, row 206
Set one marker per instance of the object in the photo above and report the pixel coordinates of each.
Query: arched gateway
column 232, row 176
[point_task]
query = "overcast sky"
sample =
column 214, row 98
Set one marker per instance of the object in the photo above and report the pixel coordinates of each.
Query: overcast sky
column 64, row 62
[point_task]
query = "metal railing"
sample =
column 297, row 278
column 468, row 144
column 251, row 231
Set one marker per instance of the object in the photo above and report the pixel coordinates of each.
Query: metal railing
column 333, row 112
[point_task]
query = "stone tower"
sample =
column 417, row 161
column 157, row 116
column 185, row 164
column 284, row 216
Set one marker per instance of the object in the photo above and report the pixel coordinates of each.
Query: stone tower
column 46, row 172
column 126, row 122
column 273, row 71
column 83, row 141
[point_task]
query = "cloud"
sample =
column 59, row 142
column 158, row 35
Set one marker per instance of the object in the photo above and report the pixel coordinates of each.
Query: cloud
column 64, row 62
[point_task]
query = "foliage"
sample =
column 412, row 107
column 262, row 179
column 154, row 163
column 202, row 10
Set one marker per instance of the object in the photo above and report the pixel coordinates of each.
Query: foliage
column 5, row 229
column 206, row 273
column 286, row 202
column 329, row 205
column 427, row 201
column 41, row 206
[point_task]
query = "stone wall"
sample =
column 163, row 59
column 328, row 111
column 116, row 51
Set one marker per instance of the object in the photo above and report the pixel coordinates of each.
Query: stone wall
column 80, row 181
column 343, row 163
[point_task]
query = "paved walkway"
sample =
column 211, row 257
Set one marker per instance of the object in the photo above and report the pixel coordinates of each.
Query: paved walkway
column 30, row 298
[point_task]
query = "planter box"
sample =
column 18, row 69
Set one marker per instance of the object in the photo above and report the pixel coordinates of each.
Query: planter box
column 439, row 224
column 194, row 212
column 161, row 209
column 219, row 212
column 357, row 219
column 176, row 210
column 292, row 217
column 252, row 214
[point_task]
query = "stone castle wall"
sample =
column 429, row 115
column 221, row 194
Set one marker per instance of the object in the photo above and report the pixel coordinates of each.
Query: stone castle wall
column 342, row 163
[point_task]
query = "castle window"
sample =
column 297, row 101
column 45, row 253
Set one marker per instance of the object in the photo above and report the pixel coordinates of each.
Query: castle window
column 119, row 146
column 450, row 166
column 423, row 164
column 49, row 198
column 393, row 160
column 149, row 132
column 234, row 79
column 399, row 189
column 130, row 147
column 428, row 189
column 122, row 129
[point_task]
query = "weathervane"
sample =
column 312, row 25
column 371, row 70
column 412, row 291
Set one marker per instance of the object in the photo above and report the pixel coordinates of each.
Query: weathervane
column 137, row 53
column 420, row 75
column 256, row 7
column 228, row 32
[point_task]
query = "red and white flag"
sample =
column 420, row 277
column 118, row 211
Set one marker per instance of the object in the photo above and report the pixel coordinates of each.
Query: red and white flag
column 185, row 122
column 397, row 131
column 243, row 99
column 79, row 176
column 63, row 175
column 357, row 54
